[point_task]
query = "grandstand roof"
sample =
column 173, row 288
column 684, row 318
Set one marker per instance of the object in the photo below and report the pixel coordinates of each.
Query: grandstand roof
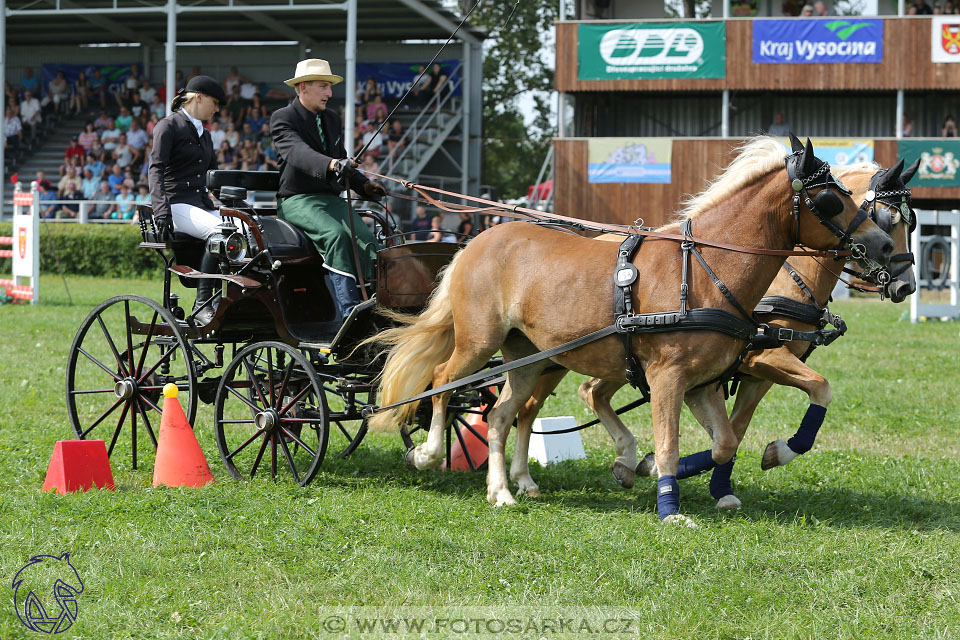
column 46, row 22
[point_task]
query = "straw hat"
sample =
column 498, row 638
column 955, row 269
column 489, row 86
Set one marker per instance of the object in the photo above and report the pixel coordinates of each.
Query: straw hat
column 313, row 69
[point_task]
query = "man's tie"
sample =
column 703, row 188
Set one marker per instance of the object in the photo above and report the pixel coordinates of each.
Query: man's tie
column 323, row 138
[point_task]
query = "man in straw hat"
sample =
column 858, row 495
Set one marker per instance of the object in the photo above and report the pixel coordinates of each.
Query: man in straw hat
column 312, row 160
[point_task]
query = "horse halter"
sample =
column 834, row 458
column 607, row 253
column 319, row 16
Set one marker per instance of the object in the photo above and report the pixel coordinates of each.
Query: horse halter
column 826, row 205
column 896, row 208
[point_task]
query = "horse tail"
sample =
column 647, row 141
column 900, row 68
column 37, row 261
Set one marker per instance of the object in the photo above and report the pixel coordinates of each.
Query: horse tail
column 415, row 349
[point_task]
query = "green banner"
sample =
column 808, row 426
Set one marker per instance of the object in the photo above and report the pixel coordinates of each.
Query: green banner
column 651, row 50
column 939, row 161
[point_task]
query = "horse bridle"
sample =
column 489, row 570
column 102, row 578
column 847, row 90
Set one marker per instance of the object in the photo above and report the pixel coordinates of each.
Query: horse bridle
column 826, row 205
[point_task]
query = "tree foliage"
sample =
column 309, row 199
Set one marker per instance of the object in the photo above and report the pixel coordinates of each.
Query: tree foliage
column 518, row 61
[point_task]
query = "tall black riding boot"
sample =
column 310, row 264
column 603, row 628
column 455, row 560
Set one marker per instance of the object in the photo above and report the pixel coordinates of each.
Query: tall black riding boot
column 206, row 287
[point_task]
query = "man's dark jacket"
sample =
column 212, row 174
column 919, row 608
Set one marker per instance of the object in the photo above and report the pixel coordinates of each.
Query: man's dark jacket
column 302, row 159
column 179, row 163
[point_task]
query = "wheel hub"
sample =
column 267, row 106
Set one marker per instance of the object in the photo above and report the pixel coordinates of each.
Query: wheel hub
column 125, row 388
column 268, row 420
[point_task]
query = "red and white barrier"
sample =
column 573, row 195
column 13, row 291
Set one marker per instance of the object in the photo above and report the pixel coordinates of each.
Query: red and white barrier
column 24, row 247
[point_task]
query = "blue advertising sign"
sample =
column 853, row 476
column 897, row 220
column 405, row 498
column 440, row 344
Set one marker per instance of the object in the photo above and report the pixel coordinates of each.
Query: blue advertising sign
column 394, row 78
column 798, row 41
column 113, row 74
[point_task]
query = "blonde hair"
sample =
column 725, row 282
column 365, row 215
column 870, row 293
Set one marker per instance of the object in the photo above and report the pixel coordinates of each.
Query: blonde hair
column 183, row 98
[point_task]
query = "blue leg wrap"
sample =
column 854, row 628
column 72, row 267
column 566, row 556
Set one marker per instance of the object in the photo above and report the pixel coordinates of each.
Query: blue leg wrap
column 802, row 441
column 720, row 480
column 695, row 464
column 668, row 496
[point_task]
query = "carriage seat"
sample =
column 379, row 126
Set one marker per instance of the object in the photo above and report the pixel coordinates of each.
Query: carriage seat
column 252, row 180
column 286, row 241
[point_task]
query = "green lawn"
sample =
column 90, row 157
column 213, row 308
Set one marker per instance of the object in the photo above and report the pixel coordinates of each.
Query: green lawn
column 859, row 538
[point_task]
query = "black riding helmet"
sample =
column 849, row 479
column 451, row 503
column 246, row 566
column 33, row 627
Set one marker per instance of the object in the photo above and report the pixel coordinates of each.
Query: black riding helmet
column 207, row 86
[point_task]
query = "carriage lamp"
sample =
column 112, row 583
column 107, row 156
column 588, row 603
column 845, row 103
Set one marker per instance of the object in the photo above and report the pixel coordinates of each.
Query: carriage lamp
column 227, row 243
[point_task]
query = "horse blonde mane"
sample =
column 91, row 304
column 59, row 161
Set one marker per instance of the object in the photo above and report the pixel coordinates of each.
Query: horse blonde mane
column 857, row 167
column 756, row 158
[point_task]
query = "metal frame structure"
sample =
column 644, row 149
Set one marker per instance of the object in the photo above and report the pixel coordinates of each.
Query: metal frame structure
column 293, row 19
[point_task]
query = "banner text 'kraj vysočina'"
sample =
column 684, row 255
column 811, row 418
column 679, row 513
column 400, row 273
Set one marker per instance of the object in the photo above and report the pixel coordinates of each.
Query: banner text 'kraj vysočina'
column 939, row 161
column 629, row 160
column 838, row 152
column 651, row 50
column 797, row 41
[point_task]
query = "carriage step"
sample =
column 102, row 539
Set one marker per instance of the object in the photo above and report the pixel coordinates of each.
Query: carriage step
column 190, row 272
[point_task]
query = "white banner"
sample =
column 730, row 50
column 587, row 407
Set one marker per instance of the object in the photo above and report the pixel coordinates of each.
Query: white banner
column 23, row 239
column 945, row 38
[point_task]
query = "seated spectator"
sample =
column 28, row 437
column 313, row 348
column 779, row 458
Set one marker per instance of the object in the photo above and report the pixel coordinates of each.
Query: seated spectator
column 122, row 122
column 48, row 210
column 138, row 108
column 436, row 233
column 102, row 122
column 104, row 202
column 232, row 136
column 250, row 155
column 147, row 92
column 265, row 137
column 145, row 165
column 370, row 90
column 89, row 185
column 949, row 129
column 88, row 138
column 369, row 164
column 57, row 92
column 131, row 85
column 98, row 91
column 151, row 123
column 143, row 194
column 96, row 166
column 70, row 208
column 248, row 92
column 465, row 228
column 257, row 116
column 41, row 178
column 373, row 141
column 74, row 150
column 906, row 129
column 395, row 141
column 438, row 81
column 419, row 93
column 779, row 128
column 125, row 154
column 130, row 180
column 820, row 9
column 235, row 105
column 81, row 94
column 157, row 107
column 216, row 134
column 125, row 207
column 115, row 179
column 30, row 113
column 69, row 178
column 248, row 133
column 12, row 131
column 109, row 138
column 226, row 158
column 28, row 82
column 376, row 109
column 137, row 137
column 421, row 224
column 807, row 11
column 270, row 160
column 923, row 8
column 234, row 79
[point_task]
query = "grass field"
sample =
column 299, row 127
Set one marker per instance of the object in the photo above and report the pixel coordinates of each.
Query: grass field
column 859, row 538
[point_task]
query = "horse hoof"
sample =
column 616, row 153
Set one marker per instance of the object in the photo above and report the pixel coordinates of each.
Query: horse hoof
column 777, row 454
column 680, row 520
column 648, row 466
column 729, row 501
column 532, row 492
column 624, row 475
column 408, row 460
column 501, row 499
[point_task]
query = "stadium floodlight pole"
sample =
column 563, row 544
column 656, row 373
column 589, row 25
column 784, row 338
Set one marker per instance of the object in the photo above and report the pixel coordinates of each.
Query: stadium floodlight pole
column 3, row 62
column 351, row 73
column 171, row 53
column 429, row 64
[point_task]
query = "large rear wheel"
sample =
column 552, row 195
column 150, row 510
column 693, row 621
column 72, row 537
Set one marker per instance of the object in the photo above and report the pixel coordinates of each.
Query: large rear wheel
column 125, row 351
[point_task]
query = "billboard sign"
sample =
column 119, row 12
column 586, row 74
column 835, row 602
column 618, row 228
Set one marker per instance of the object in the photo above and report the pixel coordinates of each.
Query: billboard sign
column 945, row 39
column 639, row 160
column 798, row 41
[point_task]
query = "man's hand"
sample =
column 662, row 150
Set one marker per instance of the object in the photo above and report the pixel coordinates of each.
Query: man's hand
column 344, row 168
column 374, row 190
column 164, row 227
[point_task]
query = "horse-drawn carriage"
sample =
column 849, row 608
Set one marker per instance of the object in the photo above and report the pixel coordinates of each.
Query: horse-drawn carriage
column 295, row 378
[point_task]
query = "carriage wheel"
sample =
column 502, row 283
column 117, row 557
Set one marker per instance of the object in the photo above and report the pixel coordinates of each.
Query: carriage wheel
column 347, row 430
column 271, row 414
column 125, row 351
column 463, row 405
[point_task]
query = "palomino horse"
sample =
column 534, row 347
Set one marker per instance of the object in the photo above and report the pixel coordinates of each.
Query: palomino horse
column 519, row 289
column 783, row 365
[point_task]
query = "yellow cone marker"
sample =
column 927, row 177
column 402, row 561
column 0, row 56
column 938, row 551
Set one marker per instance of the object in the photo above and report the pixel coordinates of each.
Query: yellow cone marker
column 170, row 390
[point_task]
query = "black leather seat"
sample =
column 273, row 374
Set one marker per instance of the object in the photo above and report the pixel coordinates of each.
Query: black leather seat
column 252, row 180
column 285, row 240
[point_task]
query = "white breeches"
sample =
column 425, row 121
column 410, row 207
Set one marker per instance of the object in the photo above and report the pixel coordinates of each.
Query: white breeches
column 194, row 221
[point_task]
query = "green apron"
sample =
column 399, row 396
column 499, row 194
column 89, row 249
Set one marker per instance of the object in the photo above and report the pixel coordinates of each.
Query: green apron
column 324, row 218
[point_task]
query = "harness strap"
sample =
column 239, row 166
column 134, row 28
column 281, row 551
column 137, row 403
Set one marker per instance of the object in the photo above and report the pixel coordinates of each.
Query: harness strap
column 801, row 284
column 624, row 276
column 484, row 374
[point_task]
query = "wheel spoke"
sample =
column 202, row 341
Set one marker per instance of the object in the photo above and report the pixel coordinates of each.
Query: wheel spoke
column 113, row 347
column 146, row 343
column 256, row 462
column 270, row 376
column 162, row 359
column 133, row 433
column 273, row 454
column 465, row 449
column 116, row 433
column 101, row 418
column 150, row 404
column 295, row 399
column 254, row 407
column 126, row 309
column 472, row 430
column 255, row 381
column 244, row 445
column 297, row 439
column 283, row 383
column 146, row 422
column 98, row 363
column 286, row 453
column 76, row 392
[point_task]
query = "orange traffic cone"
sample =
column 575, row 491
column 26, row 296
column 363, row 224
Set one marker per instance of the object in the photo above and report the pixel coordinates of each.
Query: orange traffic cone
column 478, row 449
column 78, row 465
column 180, row 460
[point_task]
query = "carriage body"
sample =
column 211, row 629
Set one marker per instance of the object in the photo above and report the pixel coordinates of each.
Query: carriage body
column 293, row 373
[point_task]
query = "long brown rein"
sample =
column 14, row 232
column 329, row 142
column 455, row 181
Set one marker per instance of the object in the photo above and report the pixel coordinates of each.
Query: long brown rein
column 539, row 216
